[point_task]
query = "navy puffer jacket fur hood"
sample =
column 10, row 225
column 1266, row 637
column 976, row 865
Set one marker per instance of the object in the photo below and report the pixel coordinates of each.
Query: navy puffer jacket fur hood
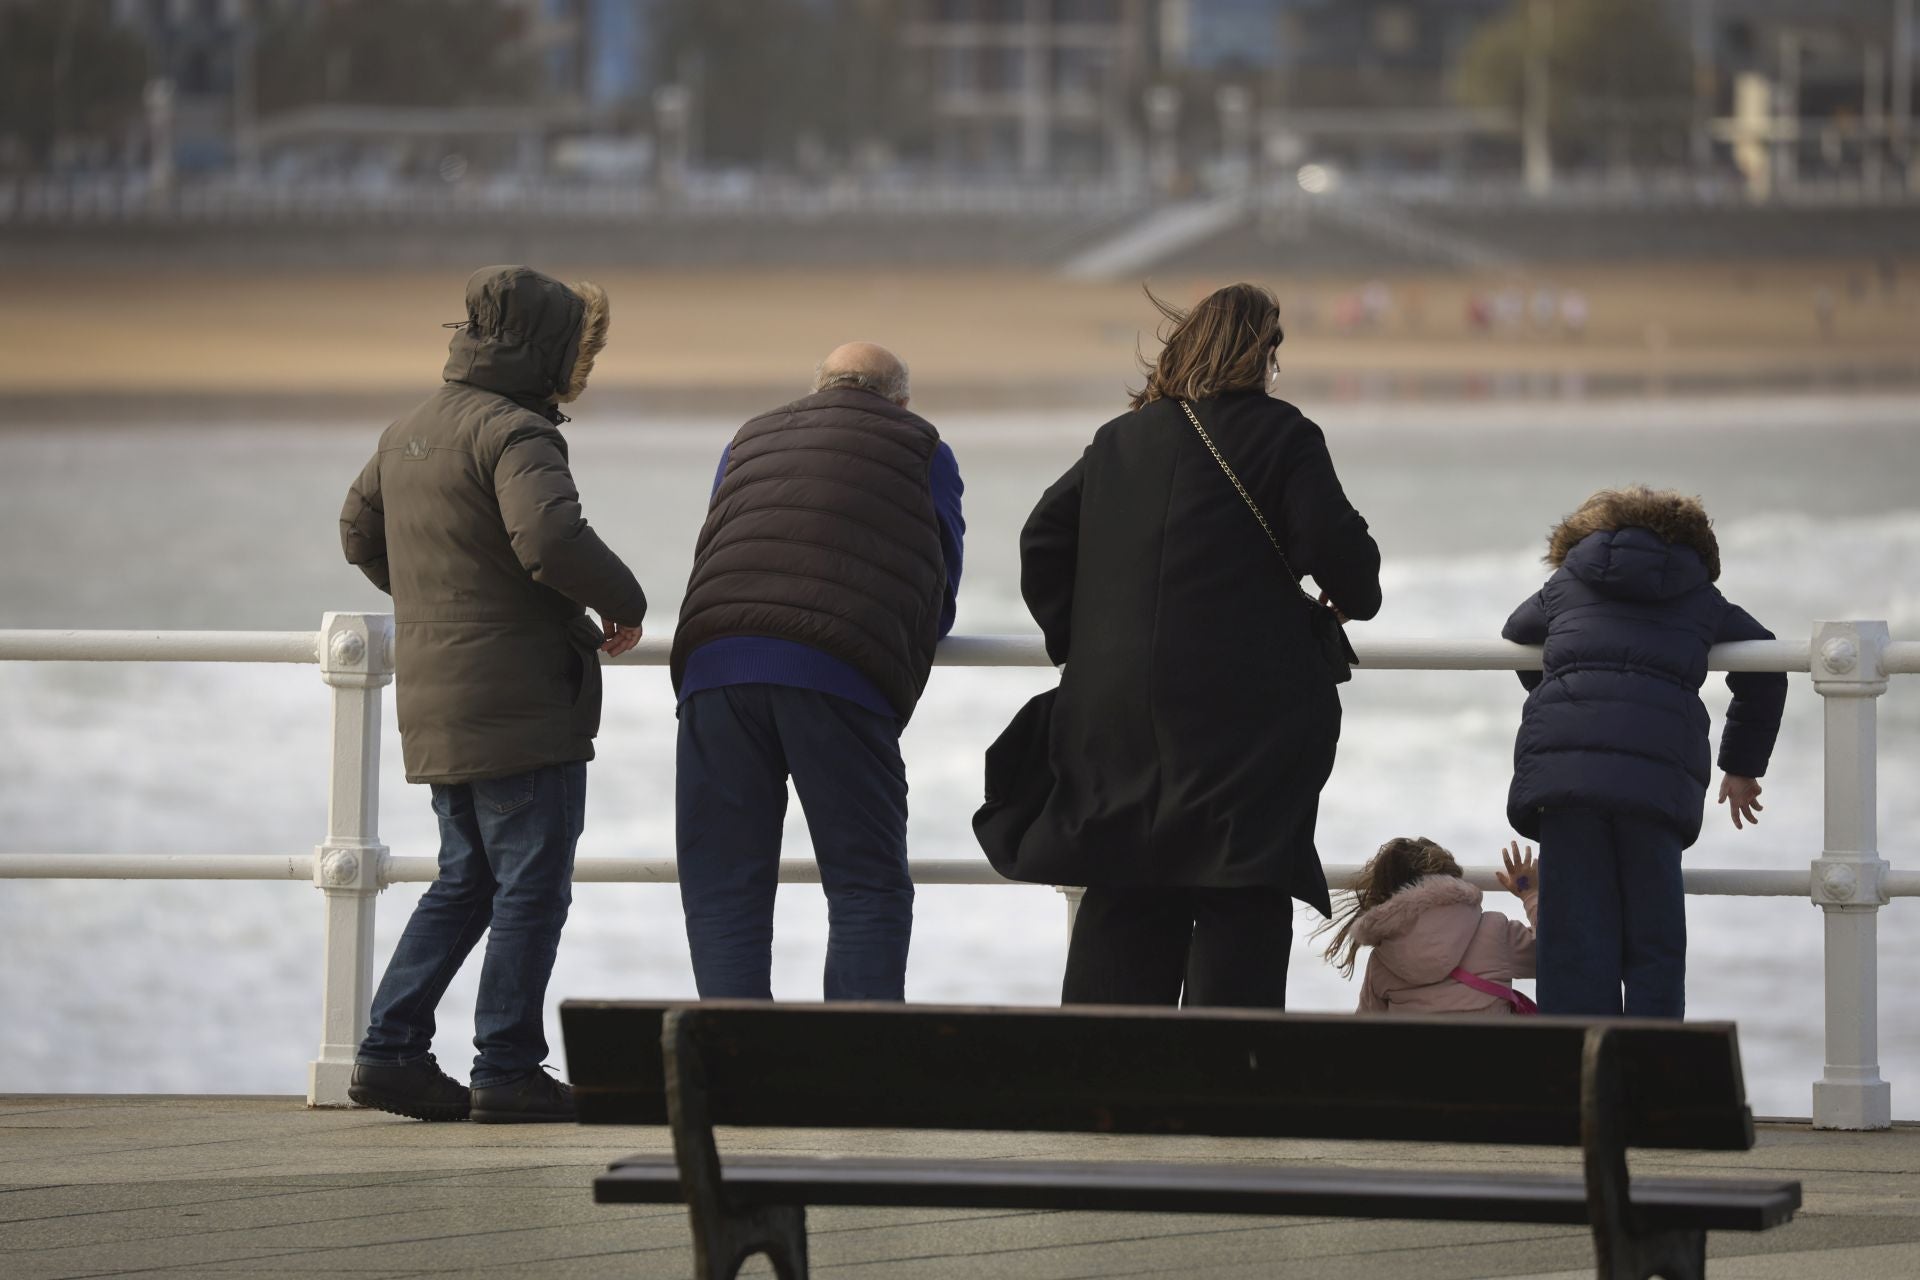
column 1615, row 721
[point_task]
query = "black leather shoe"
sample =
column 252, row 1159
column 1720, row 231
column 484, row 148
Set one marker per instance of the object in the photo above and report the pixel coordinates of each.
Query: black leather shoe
column 534, row 1098
column 419, row 1090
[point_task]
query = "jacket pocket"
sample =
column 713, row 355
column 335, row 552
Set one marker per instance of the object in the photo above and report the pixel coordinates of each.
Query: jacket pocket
column 583, row 675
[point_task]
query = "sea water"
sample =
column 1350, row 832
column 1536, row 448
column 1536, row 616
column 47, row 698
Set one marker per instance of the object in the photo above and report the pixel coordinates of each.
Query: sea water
column 205, row 987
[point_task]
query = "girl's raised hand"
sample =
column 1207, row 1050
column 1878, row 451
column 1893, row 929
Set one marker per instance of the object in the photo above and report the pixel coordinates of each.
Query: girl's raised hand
column 1520, row 879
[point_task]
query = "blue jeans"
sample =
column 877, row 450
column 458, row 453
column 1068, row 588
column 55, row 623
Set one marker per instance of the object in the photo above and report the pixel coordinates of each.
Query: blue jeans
column 1613, row 913
column 506, row 869
column 738, row 745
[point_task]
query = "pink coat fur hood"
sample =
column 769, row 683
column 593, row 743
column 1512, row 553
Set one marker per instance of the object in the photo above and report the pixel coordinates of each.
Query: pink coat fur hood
column 1423, row 933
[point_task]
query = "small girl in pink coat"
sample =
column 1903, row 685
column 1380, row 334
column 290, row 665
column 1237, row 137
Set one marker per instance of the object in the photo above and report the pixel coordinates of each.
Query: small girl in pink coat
column 1435, row 950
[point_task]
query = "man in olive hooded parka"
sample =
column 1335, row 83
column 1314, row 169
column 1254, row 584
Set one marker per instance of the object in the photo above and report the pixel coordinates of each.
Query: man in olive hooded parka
column 467, row 515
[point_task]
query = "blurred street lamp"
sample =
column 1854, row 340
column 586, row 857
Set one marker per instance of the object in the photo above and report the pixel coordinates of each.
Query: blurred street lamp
column 1900, row 122
column 246, row 134
column 673, row 117
column 1163, row 116
column 1536, row 138
column 1873, row 116
column 1786, row 107
column 159, row 104
column 1236, row 135
column 1705, row 84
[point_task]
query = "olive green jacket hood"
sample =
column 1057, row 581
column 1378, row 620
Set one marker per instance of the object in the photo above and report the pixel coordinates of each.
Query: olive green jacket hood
column 528, row 337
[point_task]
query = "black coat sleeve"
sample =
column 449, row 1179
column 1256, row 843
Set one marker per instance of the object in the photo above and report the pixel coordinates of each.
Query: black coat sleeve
column 1528, row 625
column 1326, row 537
column 1049, row 554
column 363, row 527
column 1759, row 698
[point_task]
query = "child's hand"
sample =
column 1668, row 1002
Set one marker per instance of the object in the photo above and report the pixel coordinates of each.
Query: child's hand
column 1520, row 878
column 1743, row 794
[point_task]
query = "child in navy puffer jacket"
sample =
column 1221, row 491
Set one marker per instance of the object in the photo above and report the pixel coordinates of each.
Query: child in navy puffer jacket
column 1612, row 762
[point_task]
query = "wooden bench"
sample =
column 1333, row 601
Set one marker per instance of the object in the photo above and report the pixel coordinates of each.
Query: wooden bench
column 1512, row 1081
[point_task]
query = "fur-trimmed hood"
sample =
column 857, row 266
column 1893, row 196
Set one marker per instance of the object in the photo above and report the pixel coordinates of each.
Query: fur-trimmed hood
column 528, row 337
column 1423, row 931
column 1675, row 518
column 595, row 318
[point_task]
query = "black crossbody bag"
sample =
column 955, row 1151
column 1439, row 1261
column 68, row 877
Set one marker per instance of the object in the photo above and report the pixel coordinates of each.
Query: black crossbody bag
column 1328, row 635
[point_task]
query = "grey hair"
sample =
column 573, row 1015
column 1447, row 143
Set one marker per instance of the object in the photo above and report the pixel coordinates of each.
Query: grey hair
column 890, row 387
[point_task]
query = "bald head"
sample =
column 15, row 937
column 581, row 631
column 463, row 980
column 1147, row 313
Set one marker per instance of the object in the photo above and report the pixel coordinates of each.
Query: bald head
column 865, row 367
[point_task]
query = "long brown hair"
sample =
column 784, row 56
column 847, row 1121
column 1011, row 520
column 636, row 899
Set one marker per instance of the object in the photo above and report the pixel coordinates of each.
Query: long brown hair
column 1400, row 861
column 1224, row 343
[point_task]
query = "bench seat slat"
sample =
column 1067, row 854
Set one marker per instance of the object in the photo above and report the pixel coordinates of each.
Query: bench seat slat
column 1713, row 1204
column 1226, row 1072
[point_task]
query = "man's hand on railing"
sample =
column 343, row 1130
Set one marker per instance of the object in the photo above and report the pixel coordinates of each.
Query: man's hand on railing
column 619, row 638
column 1743, row 794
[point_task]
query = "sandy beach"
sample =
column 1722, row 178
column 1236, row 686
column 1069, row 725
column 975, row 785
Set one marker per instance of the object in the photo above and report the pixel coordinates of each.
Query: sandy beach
column 113, row 334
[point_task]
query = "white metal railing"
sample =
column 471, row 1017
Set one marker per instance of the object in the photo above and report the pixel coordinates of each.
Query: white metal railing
column 1849, row 663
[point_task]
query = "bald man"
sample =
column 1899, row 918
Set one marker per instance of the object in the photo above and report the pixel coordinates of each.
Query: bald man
column 825, row 574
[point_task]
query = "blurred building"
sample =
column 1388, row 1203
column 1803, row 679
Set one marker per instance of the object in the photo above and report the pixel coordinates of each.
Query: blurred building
column 1220, row 35
column 1038, row 87
column 599, row 52
column 1181, row 92
column 202, row 99
column 200, row 94
column 1358, row 83
column 1804, row 91
column 1324, row 52
column 1834, row 58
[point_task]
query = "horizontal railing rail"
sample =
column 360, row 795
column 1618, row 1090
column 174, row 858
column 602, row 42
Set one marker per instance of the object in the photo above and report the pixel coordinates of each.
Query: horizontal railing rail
column 159, row 646
column 1849, row 662
column 1422, row 654
column 1706, row 882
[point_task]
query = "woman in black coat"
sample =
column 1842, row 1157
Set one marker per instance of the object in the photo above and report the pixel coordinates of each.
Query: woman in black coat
column 1197, row 716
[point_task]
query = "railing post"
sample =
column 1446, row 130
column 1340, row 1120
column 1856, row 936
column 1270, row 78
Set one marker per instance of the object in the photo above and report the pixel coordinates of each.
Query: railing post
column 1073, row 894
column 1849, row 877
column 356, row 660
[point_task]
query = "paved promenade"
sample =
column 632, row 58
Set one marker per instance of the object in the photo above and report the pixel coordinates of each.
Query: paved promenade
column 233, row 1187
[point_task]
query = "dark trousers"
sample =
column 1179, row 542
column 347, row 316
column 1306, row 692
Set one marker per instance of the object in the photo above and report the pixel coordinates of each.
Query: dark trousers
column 506, row 870
column 1613, row 913
column 738, row 746
column 1136, row 944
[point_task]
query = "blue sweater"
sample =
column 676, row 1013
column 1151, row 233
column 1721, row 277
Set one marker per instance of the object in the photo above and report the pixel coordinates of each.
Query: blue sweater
column 766, row 660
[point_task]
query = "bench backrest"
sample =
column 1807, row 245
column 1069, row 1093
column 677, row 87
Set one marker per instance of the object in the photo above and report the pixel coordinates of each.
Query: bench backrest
column 1105, row 1070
